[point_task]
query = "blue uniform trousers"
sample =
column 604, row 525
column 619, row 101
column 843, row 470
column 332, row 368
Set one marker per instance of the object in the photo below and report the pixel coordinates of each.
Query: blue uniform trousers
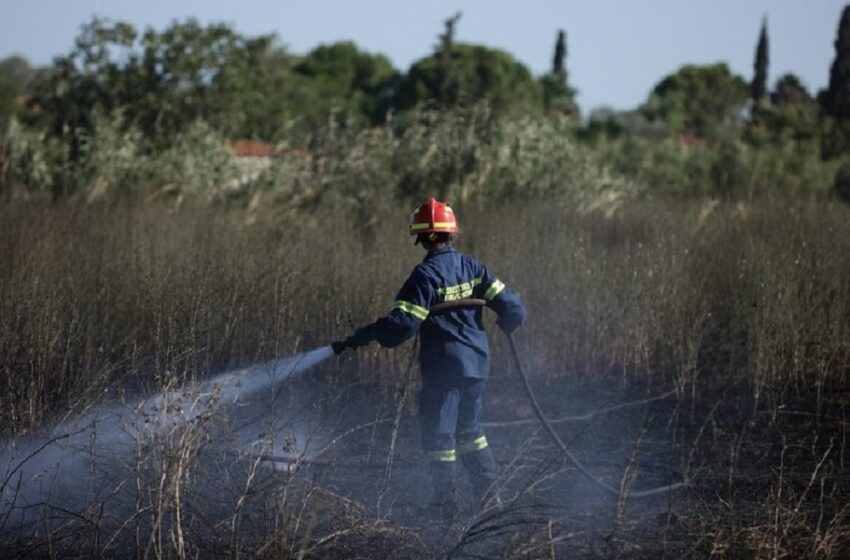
column 450, row 409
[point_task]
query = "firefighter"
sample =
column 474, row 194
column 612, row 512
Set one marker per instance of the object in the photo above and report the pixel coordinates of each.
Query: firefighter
column 454, row 353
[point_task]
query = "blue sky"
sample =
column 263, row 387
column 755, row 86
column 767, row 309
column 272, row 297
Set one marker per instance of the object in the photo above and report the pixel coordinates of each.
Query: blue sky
column 618, row 49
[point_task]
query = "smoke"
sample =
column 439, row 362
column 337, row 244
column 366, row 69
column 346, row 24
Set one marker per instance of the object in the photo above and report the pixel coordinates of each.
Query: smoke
column 108, row 458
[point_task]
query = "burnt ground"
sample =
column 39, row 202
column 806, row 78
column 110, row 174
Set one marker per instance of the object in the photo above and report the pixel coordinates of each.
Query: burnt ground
column 764, row 481
column 343, row 476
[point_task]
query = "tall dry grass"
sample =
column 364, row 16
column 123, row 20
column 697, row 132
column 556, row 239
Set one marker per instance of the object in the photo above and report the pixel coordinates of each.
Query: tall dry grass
column 96, row 300
column 97, row 297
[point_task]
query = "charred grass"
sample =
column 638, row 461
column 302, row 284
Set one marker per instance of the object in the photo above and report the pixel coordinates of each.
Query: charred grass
column 743, row 310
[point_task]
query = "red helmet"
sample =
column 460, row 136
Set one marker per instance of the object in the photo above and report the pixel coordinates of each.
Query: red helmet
column 433, row 217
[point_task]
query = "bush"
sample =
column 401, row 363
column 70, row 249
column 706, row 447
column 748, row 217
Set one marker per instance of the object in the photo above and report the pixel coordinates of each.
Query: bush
column 29, row 161
column 841, row 185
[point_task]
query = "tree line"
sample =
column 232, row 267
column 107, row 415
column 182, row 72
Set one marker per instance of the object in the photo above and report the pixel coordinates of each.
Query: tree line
column 159, row 82
column 252, row 87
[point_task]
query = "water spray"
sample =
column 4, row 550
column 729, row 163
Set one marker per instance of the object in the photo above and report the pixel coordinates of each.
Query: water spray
column 56, row 465
column 31, row 467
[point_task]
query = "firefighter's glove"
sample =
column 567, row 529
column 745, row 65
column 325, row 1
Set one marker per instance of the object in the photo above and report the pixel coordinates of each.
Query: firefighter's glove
column 339, row 346
column 361, row 337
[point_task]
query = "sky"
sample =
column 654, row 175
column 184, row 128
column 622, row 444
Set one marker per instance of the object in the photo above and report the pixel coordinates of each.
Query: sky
column 617, row 49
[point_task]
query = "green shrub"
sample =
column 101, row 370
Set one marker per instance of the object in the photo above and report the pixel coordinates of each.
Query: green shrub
column 31, row 161
column 841, row 185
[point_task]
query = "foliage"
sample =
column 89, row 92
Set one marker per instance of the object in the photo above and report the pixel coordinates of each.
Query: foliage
column 698, row 99
column 796, row 115
column 198, row 163
column 470, row 155
column 16, row 77
column 835, row 100
column 112, row 163
column 481, row 156
column 29, row 161
column 359, row 85
column 606, row 124
column 153, row 91
column 160, row 81
column 480, row 73
column 559, row 57
column 18, row 72
column 790, row 120
column 789, row 91
column 728, row 167
column 113, row 159
column 449, row 80
column 8, row 92
column 758, row 87
column 558, row 96
column 841, row 186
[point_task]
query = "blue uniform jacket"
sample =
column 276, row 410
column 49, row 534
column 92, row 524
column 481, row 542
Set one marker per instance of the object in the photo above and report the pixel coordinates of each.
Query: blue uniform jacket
column 455, row 342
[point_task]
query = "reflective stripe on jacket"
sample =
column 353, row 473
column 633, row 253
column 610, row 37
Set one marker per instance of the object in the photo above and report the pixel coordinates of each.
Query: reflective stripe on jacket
column 453, row 343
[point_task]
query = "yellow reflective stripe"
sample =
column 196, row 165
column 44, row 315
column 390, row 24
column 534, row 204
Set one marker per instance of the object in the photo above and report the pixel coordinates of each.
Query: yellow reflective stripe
column 475, row 445
column 443, row 456
column 460, row 291
column 411, row 309
column 495, row 289
column 415, row 227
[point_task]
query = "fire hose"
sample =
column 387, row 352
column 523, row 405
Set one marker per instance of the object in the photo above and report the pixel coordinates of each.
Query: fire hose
column 448, row 306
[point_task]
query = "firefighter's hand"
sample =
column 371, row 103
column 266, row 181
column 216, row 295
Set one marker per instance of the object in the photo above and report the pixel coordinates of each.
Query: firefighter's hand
column 361, row 337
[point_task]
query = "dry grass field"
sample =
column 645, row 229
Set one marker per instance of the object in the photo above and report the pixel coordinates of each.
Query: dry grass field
column 743, row 310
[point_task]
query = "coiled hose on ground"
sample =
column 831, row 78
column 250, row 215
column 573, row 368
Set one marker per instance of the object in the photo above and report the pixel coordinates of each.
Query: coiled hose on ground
column 448, row 306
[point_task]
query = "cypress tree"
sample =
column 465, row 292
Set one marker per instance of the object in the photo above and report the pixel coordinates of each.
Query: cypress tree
column 449, row 88
column 558, row 96
column 758, row 87
column 558, row 67
column 836, row 99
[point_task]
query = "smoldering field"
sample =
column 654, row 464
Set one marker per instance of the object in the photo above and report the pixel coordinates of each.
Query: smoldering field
column 742, row 310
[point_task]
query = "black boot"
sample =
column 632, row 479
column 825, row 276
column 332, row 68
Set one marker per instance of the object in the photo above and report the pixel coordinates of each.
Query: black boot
column 443, row 507
column 481, row 466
